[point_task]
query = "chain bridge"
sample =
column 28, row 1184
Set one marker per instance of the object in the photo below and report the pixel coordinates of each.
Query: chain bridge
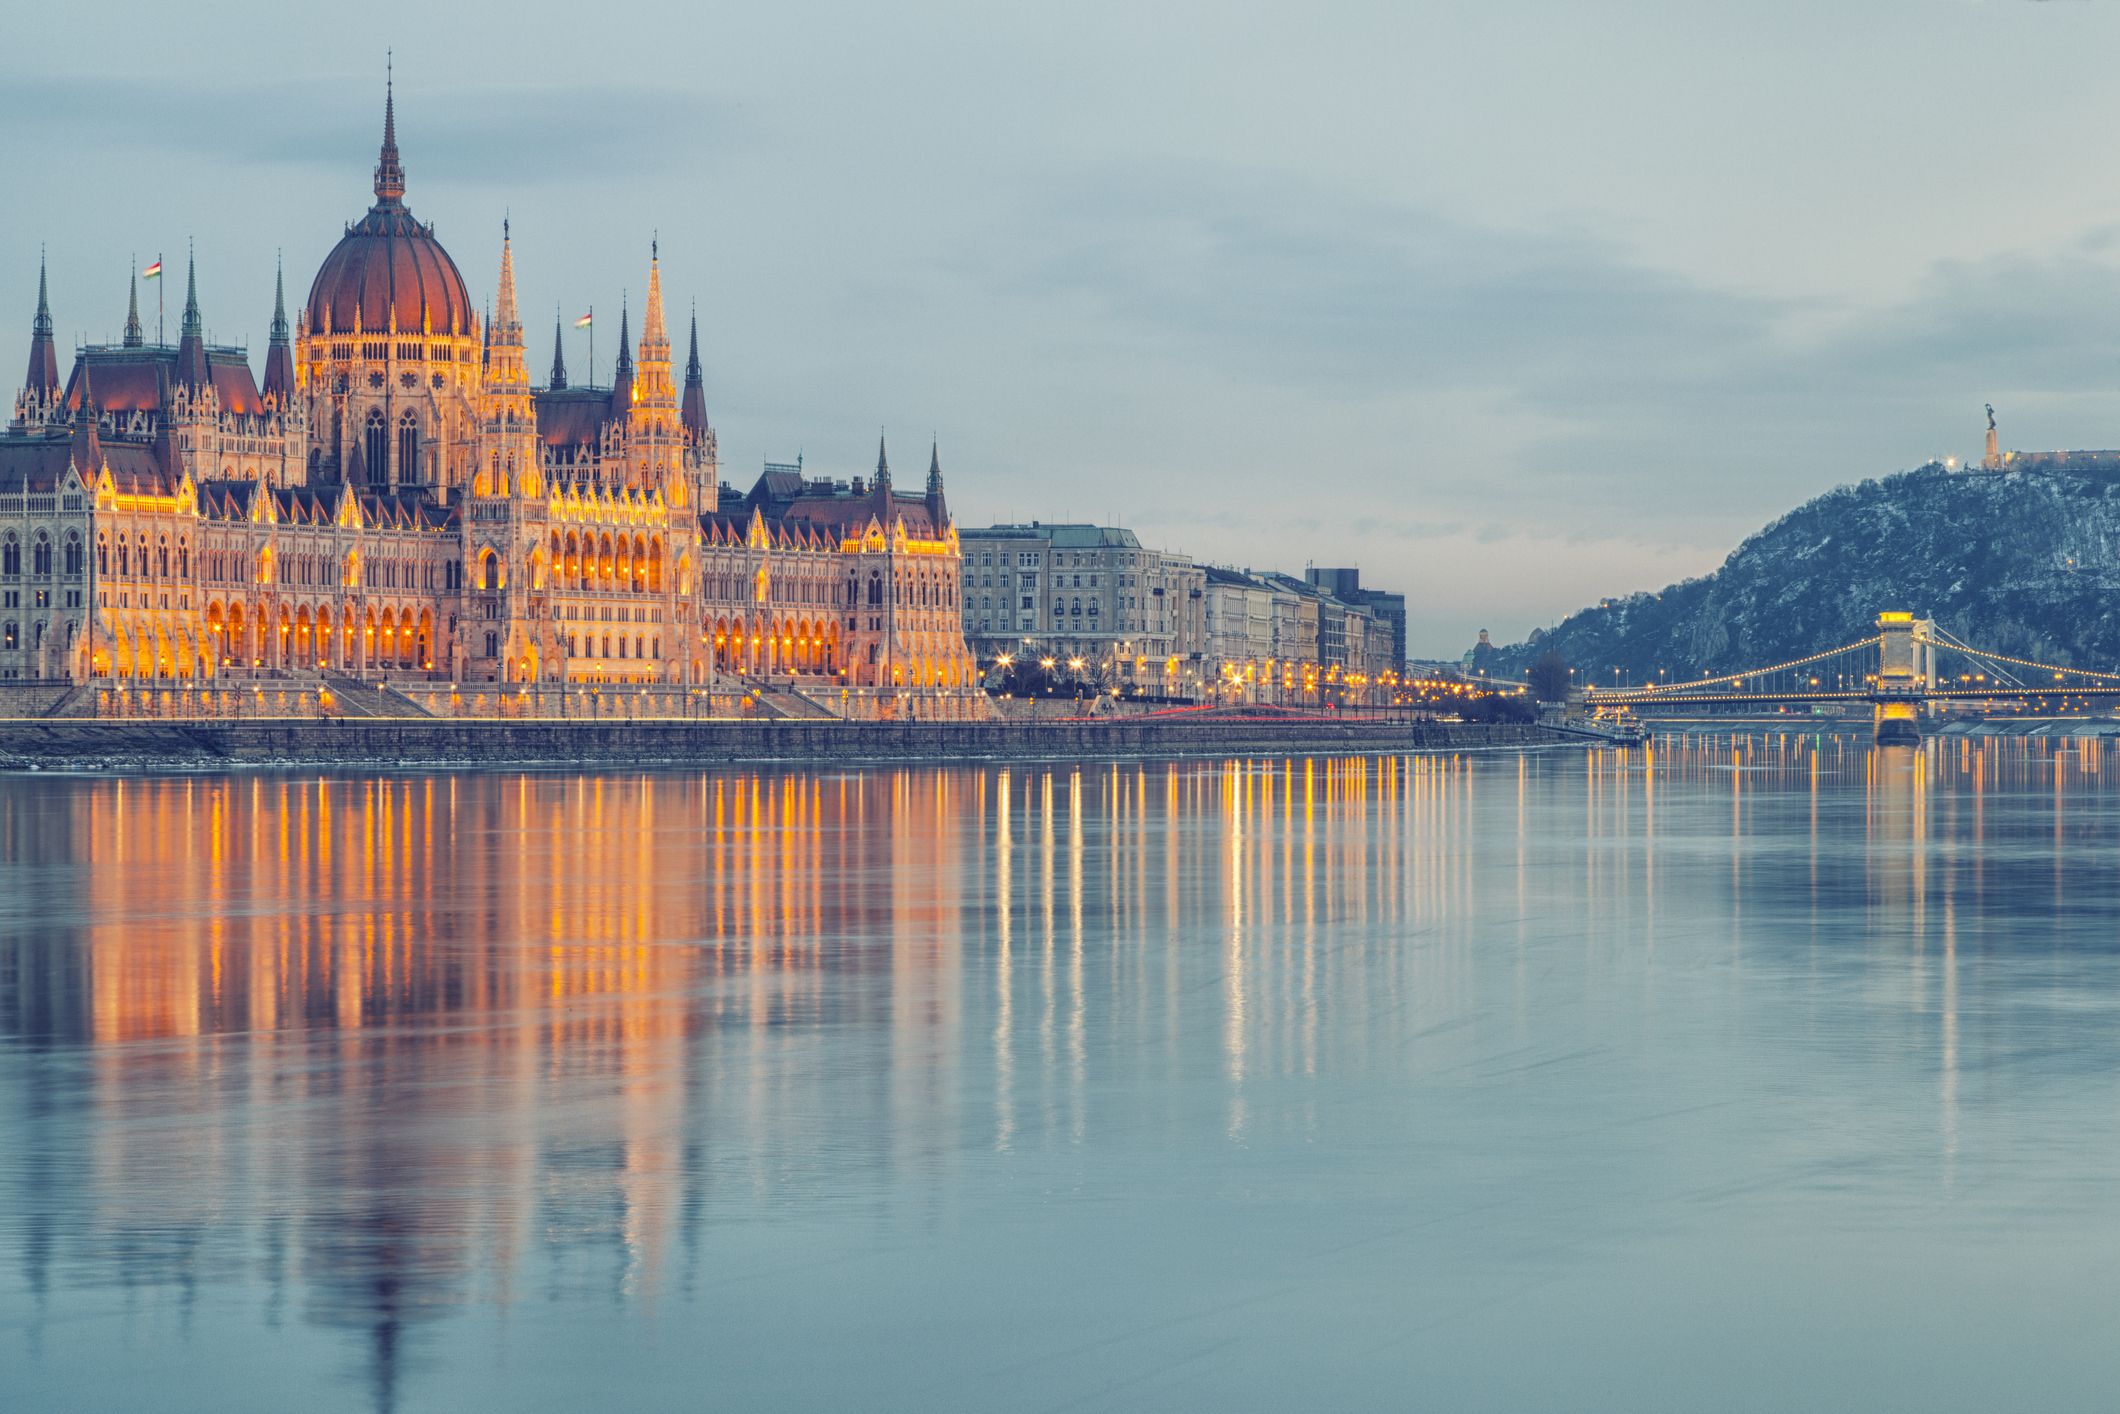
column 1909, row 667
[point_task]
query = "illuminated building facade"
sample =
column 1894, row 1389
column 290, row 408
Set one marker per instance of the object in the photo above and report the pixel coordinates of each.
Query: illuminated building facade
column 396, row 498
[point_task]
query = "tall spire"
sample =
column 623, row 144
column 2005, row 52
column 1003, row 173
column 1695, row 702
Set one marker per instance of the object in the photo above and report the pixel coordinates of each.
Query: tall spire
column 695, row 402
column 279, row 360
column 883, row 465
column 191, row 339
column 511, row 327
column 389, row 176
column 43, row 351
column 622, row 378
column 134, row 338
column 937, row 507
column 193, row 327
column 654, row 339
column 88, row 419
column 559, row 352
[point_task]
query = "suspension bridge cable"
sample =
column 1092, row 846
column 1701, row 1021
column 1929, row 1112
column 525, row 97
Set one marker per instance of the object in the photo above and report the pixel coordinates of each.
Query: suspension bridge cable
column 1726, row 678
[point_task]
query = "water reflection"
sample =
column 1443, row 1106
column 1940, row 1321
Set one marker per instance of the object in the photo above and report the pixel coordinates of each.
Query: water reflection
column 376, row 1055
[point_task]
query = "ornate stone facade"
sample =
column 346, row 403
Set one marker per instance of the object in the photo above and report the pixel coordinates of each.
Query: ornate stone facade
column 397, row 498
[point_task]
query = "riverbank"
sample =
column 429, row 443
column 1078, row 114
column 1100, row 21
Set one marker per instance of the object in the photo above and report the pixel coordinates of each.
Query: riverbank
column 337, row 742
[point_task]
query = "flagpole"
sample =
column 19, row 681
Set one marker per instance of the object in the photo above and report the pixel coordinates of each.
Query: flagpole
column 592, row 346
column 159, row 282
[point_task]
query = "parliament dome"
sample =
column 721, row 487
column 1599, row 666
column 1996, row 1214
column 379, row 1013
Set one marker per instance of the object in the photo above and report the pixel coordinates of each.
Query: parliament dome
column 388, row 271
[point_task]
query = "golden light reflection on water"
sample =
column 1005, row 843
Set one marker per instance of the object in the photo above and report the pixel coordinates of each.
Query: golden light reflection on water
column 406, row 1034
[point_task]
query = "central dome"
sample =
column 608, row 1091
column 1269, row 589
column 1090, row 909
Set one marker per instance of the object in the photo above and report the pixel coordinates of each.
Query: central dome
column 388, row 271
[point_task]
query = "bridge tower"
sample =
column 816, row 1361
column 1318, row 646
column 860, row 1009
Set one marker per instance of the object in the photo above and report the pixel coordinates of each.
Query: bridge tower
column 1906, row 673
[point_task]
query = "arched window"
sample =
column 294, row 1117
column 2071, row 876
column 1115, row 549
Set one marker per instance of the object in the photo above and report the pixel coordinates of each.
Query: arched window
column 10, row 557
column 408, row 462
column 9, row 640
column 375, row 445
column 102, row 557
column 73, row 556
column 183, row 559
column 41, row 558
column 162, row 559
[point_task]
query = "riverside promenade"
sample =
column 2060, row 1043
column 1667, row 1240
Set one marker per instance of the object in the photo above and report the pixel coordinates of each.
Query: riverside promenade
column 92, row 745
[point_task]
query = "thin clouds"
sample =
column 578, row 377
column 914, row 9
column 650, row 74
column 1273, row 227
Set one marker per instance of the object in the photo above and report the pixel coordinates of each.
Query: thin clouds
column 584, row 132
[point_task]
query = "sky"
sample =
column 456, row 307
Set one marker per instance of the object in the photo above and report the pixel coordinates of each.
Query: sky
column 1511, row 306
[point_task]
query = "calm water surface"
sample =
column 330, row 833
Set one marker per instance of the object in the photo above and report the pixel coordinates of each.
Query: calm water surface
column 1757, row 1073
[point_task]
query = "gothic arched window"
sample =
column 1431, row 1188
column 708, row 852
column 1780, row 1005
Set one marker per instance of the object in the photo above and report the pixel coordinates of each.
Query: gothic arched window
column 10, row 557
column 375, row 445
column 41, row 558
column 408, row 462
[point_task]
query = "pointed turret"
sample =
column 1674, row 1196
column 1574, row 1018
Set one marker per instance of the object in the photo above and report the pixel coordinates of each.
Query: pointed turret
column 653, row 392
column 279, row 356
column 191, row 341
column 87, row 449
column 506, row 370
column 511, row 328
column 937, row 506
column 883, row 467
column 134, row 337
column 559, row 352
column 654, row 340
column 389, row 175
column 43, row 352
column 695, row 401
column 622, row 380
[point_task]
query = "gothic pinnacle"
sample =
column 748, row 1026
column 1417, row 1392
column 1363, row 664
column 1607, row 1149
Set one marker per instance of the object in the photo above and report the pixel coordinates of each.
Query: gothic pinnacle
column 559, row 351
column 134, row 338
column 279, row 301
column 510, row 324
column 43, row 324
column 193, row 327
column 654, row 339
column 389, row 174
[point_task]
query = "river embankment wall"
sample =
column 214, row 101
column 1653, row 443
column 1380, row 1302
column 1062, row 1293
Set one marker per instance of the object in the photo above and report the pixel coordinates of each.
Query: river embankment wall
column 64, row 744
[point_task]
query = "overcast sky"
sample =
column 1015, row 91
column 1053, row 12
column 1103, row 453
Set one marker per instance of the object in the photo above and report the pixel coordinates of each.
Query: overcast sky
column 1513, row 306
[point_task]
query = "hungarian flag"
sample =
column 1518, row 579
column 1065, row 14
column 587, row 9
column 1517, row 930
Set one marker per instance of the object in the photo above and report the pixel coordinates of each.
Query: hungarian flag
column 581, row 323
column 152, row 272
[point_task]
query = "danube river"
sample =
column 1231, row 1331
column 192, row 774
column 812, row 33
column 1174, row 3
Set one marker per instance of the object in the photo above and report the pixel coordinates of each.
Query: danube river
column 1768, row 1073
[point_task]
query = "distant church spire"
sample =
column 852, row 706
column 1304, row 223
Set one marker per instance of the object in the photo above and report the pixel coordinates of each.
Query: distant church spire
column 134, row 337
column 559, row 351
column 389, row 175
column 883, row 465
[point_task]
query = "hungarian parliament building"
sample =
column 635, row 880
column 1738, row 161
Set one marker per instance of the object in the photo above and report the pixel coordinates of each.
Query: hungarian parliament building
column 397, row 499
